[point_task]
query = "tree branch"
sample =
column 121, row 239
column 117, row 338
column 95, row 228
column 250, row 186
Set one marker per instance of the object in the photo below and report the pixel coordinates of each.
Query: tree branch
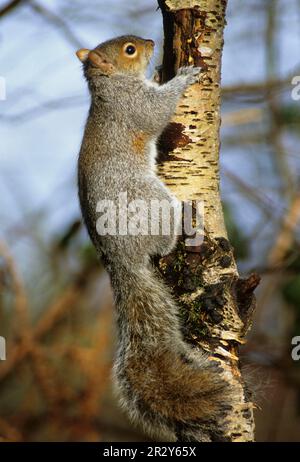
column 10, row 6
column 216, row 305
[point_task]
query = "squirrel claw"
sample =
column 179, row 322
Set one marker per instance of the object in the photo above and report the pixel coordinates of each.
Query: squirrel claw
column 192, row 73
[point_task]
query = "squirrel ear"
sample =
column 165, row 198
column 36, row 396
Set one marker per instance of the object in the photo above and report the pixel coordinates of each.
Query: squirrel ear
column 99, row 60
column 82, row 54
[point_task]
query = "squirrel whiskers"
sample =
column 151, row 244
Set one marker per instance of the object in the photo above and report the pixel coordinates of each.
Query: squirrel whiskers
column 160, row 383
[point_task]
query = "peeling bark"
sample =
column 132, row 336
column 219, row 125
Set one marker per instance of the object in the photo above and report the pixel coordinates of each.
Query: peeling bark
column 216, row 305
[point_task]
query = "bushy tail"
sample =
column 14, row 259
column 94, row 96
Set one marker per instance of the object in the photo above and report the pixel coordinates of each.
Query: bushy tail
column 163, row 383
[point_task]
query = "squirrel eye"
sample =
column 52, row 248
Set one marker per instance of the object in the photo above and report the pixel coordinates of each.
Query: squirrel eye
column 130, row 50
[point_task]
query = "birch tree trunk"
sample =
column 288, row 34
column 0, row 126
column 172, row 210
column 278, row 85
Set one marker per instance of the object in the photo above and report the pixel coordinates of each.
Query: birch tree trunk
column 216, row 305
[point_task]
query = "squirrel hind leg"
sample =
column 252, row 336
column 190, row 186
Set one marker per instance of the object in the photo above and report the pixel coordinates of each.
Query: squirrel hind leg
column 167, row 238
column 165, row 245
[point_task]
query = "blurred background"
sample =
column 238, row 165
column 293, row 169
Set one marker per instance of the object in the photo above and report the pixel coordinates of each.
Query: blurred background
column 55, row 301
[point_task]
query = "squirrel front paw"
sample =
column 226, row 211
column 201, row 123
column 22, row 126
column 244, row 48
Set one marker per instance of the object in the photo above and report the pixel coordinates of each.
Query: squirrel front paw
column 190, row 73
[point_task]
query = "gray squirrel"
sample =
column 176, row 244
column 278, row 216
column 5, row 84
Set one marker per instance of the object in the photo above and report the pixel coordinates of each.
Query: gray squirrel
column 162, row 385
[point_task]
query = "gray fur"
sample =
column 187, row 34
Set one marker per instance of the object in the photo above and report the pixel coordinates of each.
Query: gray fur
column 122, row 105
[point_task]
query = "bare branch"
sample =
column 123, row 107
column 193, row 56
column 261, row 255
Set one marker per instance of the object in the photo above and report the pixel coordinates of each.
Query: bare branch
column 56, row 21
column 45, row 107
column 264, row 87
column 11, row 6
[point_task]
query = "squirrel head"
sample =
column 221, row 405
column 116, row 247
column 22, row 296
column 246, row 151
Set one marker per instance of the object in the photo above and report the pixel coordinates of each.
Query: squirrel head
column 127, row 54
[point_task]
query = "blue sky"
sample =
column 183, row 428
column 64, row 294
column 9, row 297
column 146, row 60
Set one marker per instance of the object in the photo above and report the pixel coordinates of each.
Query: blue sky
column 39, row 145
